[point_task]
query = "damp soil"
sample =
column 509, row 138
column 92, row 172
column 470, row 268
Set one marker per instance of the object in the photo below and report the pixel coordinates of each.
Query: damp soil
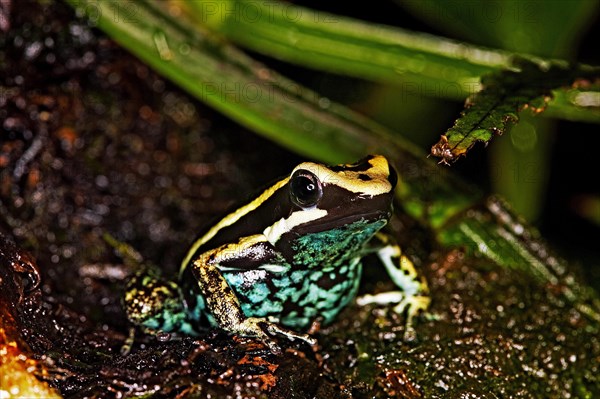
column 92, row 142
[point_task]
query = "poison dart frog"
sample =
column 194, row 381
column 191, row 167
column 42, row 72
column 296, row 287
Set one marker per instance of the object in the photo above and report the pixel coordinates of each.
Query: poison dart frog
column 287, row 257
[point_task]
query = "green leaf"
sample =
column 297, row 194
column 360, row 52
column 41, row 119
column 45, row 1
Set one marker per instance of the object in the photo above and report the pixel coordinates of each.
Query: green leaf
column 431, row 65
column 347, row 46
column 506, row 93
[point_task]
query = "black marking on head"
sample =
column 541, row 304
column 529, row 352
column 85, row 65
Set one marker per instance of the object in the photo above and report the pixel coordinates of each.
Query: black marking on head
column 393, row 176
column 339, row 200
column 364, row 177
column 361, row 165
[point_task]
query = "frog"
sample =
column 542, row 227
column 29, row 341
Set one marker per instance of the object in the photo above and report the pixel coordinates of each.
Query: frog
column 289, row 256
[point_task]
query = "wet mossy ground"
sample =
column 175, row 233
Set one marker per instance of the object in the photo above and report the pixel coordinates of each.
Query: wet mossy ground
column 94, row 142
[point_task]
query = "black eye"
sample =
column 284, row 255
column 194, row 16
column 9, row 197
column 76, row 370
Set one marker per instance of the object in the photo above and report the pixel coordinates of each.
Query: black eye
column 305, row 188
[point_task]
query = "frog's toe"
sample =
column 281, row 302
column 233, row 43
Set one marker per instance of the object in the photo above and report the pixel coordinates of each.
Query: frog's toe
column 412, row 305
column 258, row 328
column 291, row 335
column 410, row 334
column 263, row 330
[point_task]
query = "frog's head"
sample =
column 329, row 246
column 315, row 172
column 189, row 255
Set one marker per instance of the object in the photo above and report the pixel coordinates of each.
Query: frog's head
column 335, row 208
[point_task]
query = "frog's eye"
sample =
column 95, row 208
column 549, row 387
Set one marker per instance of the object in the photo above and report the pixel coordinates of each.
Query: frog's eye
column 305, row 188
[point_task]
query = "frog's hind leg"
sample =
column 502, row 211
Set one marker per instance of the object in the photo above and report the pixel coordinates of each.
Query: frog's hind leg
column 156, row 304
column 414, row 297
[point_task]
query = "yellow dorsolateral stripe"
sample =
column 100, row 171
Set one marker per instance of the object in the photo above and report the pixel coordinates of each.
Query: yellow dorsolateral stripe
column 231, row 219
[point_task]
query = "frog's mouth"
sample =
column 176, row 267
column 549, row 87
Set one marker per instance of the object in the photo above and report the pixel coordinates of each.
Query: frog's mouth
column 345, row 221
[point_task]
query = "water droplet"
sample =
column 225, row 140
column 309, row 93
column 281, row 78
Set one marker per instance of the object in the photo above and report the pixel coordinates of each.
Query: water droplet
column 416, row 64
column 524, row 137
column 324, row 102
column 308, row 126
column 33, row 50
column 163, row 336
column 184, row 49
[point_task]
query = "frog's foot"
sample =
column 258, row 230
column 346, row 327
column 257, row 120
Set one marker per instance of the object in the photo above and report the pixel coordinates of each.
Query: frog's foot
column 263, row 329
column 411, row 304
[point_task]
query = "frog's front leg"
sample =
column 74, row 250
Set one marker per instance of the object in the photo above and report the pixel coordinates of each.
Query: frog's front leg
column 414, row 296
column 221, row 300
